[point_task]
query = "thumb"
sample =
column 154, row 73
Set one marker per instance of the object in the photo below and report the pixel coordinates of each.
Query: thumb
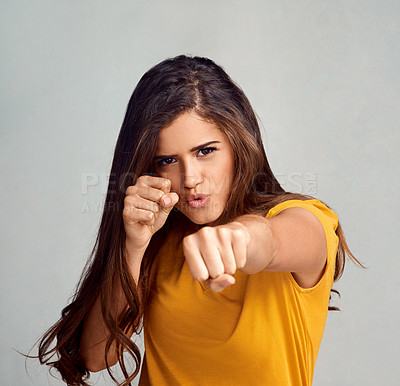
column 221, row 282
column 168, row 201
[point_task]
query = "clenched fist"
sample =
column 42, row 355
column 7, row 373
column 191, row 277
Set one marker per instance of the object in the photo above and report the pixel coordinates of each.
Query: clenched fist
column 213, row 254
column 147, row 205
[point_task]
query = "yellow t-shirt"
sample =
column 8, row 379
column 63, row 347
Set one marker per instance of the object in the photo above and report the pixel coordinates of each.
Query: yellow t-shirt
column 263, row 330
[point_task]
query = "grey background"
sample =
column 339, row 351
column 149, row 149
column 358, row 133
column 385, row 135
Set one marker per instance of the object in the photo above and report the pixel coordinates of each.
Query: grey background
column 323, row 78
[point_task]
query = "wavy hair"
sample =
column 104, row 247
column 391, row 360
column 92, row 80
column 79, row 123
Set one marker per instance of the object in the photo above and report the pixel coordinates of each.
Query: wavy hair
column 170, row 88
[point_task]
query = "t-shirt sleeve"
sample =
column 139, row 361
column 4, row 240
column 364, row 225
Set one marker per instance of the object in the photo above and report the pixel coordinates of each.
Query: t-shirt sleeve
column 328, row 219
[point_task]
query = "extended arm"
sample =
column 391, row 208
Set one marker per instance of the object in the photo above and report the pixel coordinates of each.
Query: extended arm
column 293, row 241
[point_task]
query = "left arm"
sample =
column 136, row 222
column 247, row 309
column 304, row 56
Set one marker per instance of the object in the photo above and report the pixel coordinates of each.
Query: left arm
column 293, row 241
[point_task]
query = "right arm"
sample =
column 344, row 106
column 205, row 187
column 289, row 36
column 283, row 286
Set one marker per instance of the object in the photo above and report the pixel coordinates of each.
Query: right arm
column 145, row 212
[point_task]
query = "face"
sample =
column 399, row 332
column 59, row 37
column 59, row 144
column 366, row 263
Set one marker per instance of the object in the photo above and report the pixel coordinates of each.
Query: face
column 198, row 159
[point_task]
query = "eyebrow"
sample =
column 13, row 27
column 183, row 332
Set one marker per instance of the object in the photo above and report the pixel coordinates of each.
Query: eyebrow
column 191, row 150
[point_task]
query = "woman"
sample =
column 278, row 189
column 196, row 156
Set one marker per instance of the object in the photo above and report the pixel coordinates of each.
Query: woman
column 231, row 274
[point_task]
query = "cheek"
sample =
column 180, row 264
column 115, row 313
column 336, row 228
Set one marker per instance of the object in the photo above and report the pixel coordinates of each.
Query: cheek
column 228, row 175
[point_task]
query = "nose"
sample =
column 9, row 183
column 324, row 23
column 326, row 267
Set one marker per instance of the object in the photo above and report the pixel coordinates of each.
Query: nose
column 191, row 175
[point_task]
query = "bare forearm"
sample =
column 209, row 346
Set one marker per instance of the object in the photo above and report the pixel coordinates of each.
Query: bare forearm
column 262, row 247
column 134, row 258
column 95, row 332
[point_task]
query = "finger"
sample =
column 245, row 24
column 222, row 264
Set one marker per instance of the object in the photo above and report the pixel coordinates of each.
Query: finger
column 161, row 183
column 168, row 201
column 146, row 192
column 134, row 215
column 226, row 253
column 210, row 253
column 221, row 282
column 194, row 260
column 149, row 222
column 239, row 248
column 139, row 202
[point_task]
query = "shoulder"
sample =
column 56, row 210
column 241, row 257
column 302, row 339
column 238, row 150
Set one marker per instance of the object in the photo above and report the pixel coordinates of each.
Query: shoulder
column 321, row 211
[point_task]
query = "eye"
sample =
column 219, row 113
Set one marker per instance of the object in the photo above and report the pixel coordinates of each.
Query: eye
column 165, row 161
column 206, row 150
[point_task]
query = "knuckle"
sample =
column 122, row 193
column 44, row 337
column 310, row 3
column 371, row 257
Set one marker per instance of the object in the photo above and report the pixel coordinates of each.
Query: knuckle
column 189, row 239
column 201, row 277
column 137, row 212
column 133, row 211
column 160, row 193
column 133, row 195
column 128, row 201
column 133, row 198
column 206, row 231
column 131, row 189
column 237, row 234
column 235, row 231
column 186, row 240
column 129, row 214
column 230, row 270
column 140, row 180
column 223, row 232
column 217, row 273
column 240, row 264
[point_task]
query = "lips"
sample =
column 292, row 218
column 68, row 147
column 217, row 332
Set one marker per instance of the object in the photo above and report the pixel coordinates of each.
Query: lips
column 197, row 200
column 198, row 196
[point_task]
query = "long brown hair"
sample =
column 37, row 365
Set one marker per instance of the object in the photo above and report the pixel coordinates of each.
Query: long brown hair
column 168, row 89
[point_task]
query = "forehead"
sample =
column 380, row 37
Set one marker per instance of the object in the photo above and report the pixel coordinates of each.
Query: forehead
column 186, row 131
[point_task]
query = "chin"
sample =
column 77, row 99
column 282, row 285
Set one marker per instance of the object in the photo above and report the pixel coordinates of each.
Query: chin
column 201, row 220
column 202, row 216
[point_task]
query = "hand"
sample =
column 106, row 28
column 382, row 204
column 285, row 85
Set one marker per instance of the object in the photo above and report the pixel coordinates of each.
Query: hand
column 214, row 254
column 147, row 205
